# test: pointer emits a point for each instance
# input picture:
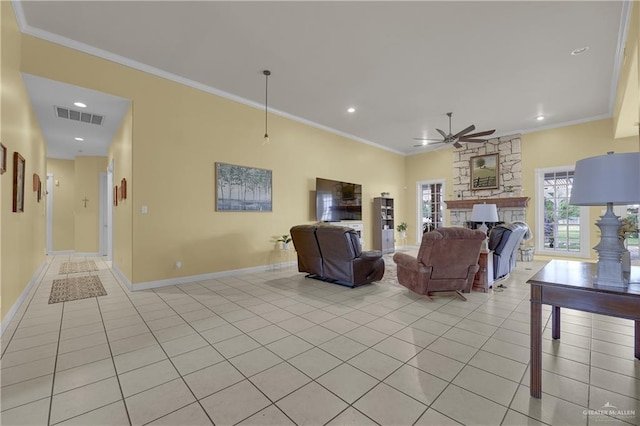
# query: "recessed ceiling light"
(80, 104)
(79, 139)
(540, 117)
(580, 50)
(351, 110)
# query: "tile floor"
(274, 348)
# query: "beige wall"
(22, 241)
(178, 133)
(64, 194)
(120, 153)
(86, 220)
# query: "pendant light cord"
(266, 73)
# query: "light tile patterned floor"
(276, 348)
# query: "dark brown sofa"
(333, 254)
(447, 262)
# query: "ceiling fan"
(462, 136)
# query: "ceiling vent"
(83, 117)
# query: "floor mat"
(68, 289)
(75, 267)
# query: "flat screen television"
(336, 200)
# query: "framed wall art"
(241, 189)
(3, 159)
(485, 170)
(19, 167)
(123, 188)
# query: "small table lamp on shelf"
(484, 213)
(607, 180)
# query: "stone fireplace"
(507, 196)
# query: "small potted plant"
(285, 240)
(402, 229)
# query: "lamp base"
(485, 242)
(609, 250)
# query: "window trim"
(585, 223)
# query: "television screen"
(336, 201)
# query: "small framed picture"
(19, 166)
(3, 159)
(484, 172)
(123, 189)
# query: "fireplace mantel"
(507, 202)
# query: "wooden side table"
(484, 277)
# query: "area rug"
(75, 267)
(390, 271)
(68, 289)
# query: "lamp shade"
(611, 178)
(484, 213)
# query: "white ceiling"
(60, 133)
(402, 65)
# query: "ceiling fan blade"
(444, 135)
(467, 130)
(457, 145)
(485, 133)
(472, 140)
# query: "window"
(631, 240)
(561, 228)
(430, 206)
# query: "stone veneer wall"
(510, 174)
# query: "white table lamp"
(484, 213)
(607, 180)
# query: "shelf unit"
(383, 224)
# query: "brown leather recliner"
(334, 255)
(447, 262)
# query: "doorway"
(430, 196)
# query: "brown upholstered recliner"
(447, 261)
(333, 254)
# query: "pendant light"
(266, 73)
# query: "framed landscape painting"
(18, 182)
(242, 189)
(3, 159)
(484, 171)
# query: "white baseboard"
(75, 253)
(122, 276)
(12, 312)
(202, 277)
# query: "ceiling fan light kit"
(450, 138)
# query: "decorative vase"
(403, 234)
(285, 246)
(626, 261)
